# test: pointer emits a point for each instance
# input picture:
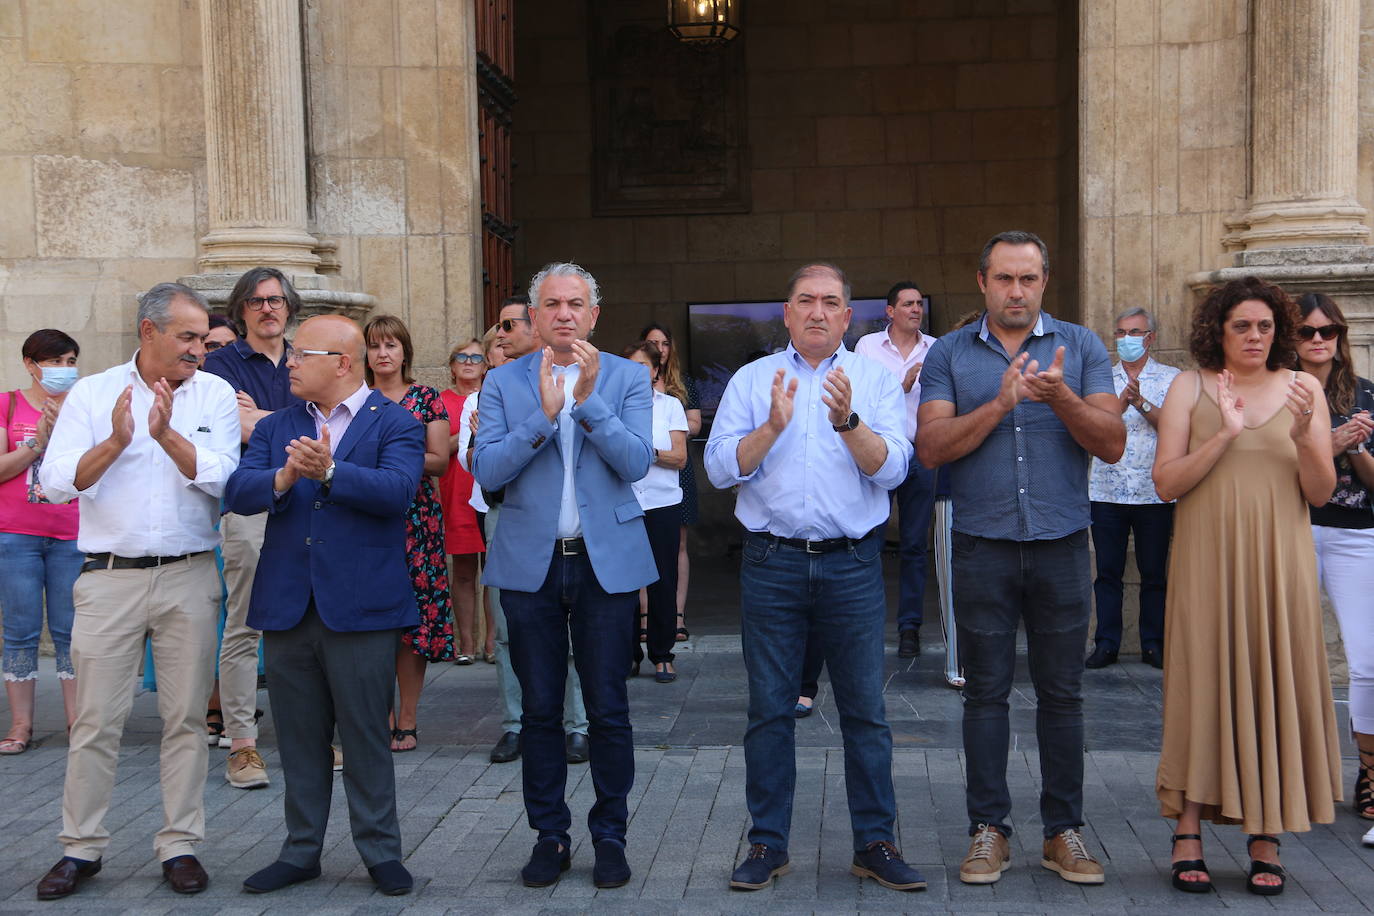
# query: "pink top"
(23, 510)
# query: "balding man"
(335, 474)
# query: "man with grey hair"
(146, 448)
(1124, 500)
(565, 430)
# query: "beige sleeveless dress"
(1249, 726)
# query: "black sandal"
(1182, 865)
(214, 730)
(1264, 868)
(1364, 786)
(398, 734)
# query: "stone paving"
(465, 835)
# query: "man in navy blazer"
(335, 474)
(565, 430)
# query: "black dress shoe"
(909, 644)
(507, 749)
(279, 875)
(63, 877)
(1152, 657)
(611, 869)
(185, 874)
(547, 863)
(1103, 655)
(577, 748)
(391, 878)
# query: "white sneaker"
(1369, 837)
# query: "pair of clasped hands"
(1299, 401)
(159, 415)
(1024, 380)
(551, 394)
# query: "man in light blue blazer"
(565, 430)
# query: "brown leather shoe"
(1066, 855)
(988, 856)
(185, 874)
(63, 877)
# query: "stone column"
(255, 137)
(1304, 126)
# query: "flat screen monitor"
(726, 335)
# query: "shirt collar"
(245, 350)
(131, 369)
(886, 339)
(1043, 325)
(353, 403)
(799, 361)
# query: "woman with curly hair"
(1249, 726)
(1343, 529)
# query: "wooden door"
(496, 100)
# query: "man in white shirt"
(146, 447)
(901, 349)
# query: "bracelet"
(1357, 450)
(32, 442)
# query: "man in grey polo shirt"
(1016, 403)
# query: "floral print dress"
(425, 555)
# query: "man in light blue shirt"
(814, 438)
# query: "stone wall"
(101, 166)
(102, 163)
(892, 138)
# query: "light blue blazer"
(516, 447)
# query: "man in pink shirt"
(901, 349)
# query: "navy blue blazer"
(516, 447)
(346, 546)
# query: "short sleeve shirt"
(1028, 480)
(1130, 481)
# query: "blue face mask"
(59, 379)
(1130, 349)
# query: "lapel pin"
(374, 407)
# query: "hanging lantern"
(704, 22)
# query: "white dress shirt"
(142, 506)
(808, 485)
(879, 347)
(569, 518)
(464, 443)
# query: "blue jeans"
(915, 503)
(838, 596)
(34, 568)
(1112, 525)
(601, 624)
(998, 584)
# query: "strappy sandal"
(1264, 868)
(1182, 865)
(214, 730)
(1364, 786)
(9, 747)
(400, 734)
(682, 635)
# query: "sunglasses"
(508, 324)
(475, 358)
(1328, 332)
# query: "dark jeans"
(601, 624)
(997, 585)
(812, 663)
(1112, 525)
(915, 502)
(785, 593)
(662, 526)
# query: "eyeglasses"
(1133, 332)
(296, 351)
(1328, 332)
(508, 324)
(475, 358)
(258, 303)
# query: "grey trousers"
(317, 679)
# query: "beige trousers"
(238, 653)
(177, 605)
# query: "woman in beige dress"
(1249, 726)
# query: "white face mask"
(59, 379)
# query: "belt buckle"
(811, 549)
(563, 548)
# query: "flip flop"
(398, 734)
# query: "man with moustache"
(146, 448)
(263, 303)
(565, 431)
(1015, 403)
(813, 437)
(335, 475)
(516, 336)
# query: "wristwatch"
(1145, 406)
(328, 475)
(850, 424)
(1356, 450)
(32, 442)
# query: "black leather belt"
(569, 547)
(827, 545)
(111, 561)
